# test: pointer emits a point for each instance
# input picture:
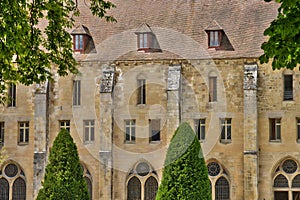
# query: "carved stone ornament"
(250, 77)
(174, 77)
(107, 81)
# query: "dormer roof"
(81, 30)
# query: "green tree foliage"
(185, 175)
(283, 45)
(64, 176)
(28, 51)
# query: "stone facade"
(252, 132)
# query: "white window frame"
(76, 92)
(226, 123)
(89, 131)
(130, 130)
(65, 124)
(200, 128)
(23, 132)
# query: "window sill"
(225, 141)
(154, 142)
(201, 141)
(23, 143)
(129, 142)
(275, 141)
(88, 142)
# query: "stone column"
(250, 133)
(106, 131)
(173, 103)
(40, 135)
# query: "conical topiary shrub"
(185, 175)
(64, 176)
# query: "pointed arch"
(222, 189)
(281, 181)
(151, 187)
(4, 189)
(19, 189)
(134, 189)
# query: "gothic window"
(288, 87)
(89, 130)
(12, 181)
(134, 189)
(154, 130)
(286, 184)
(130, 130)
(4, 189)
(200, 129)
(19, 189)
(219, 182)
(275, 129)
(142, 184)
(12, 95)
(225, 130)
(76, 93)
(151, 187)
(64, 124)
(88, 179)
(23, 133)
(281, 181)
(222, 189)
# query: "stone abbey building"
(162, 63)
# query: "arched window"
(134, 189)
(222, 189)
(286, 184)
(89, 186)
(19, 189)
(4, 189)
(142, 182)
(151, 187)
(88, 179)
(219, 184)
(12, 181)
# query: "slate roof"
(180, 28)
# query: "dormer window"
(82, 40)
(146, 39)
(78, 43)
(215, 38)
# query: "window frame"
(23, 136)
(79, 42)
(89, 131)
(214, 38)
(141, 95)
(298, 129)
(66, 124)
(288, 87)
(200, 128)
(130, 125)
(154, 131)
(213, 88)
(275, 129)
(145, 41)
(12, 95)
(2, 133)
(76, 92)
(226, 130)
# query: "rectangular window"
(141, 91)
(64, 124)
(89, 130)
(130, 130)
(23, 132)
(154, 130)
(298, 129)
(275, 129)
(288, 87)
(12, 95)
(212, 89)
(215, 38)
(78, 42)
(200, 129)
(143, 40)
(225, 130)
(1, 133)
(76, 92)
